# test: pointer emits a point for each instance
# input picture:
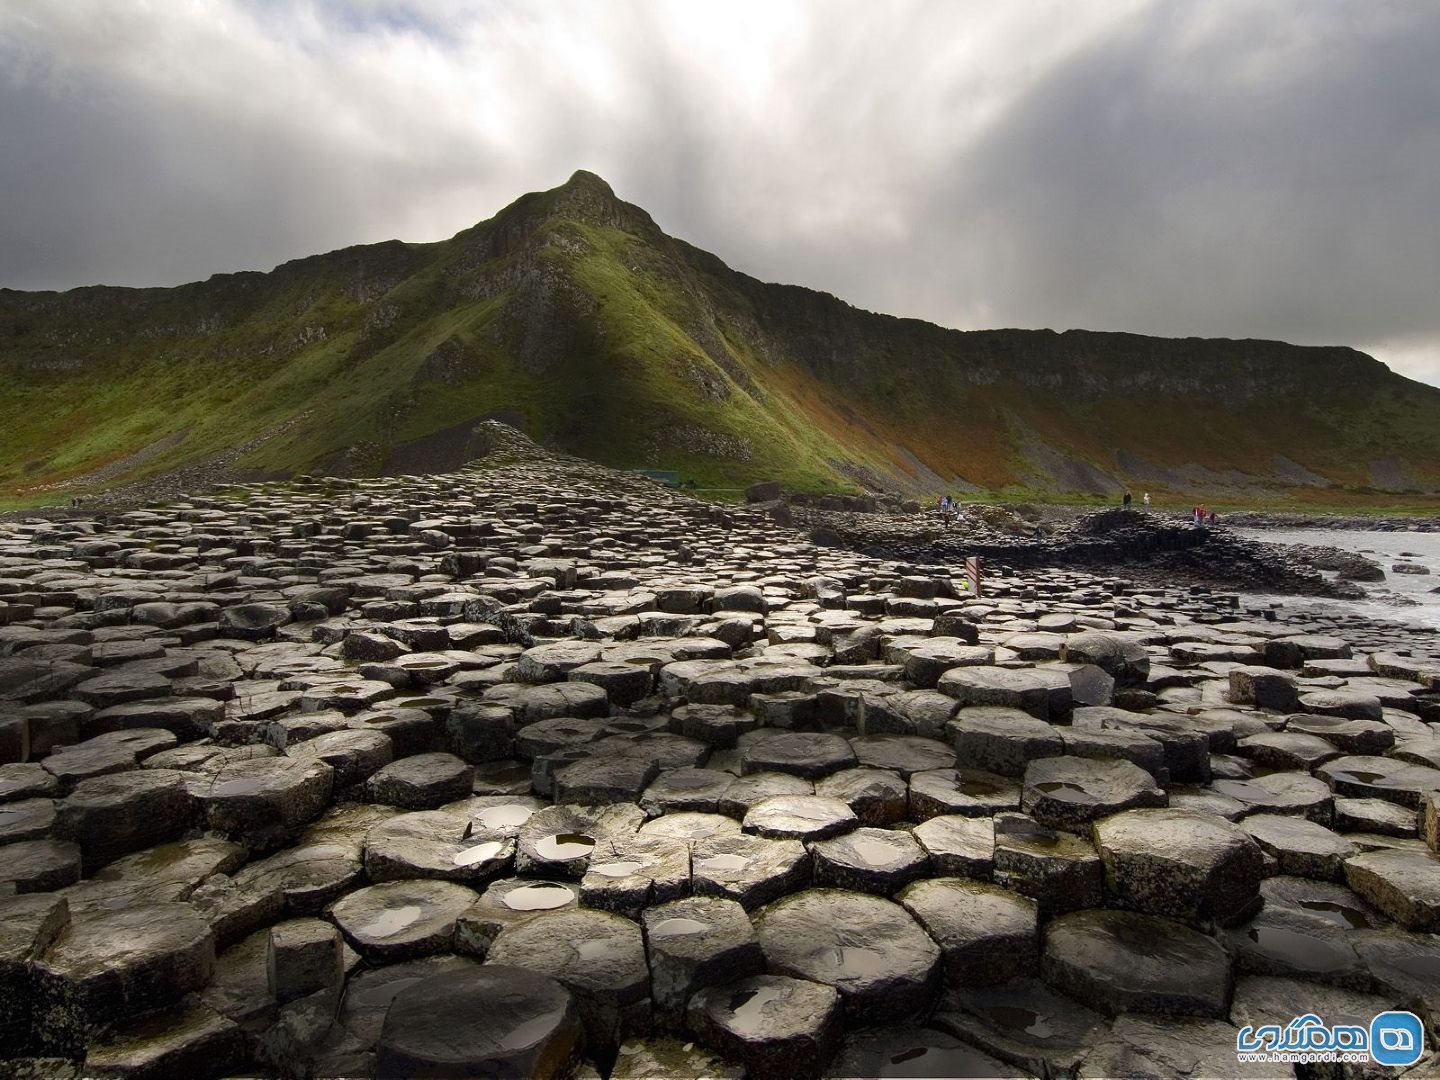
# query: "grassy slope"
(666, 358)
(961, 401)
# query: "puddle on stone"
(392, 922)
(1291, 946)
(677, 926)
(513, 775)
(562, 847)
(422, 703)
(722, 864)
(747, 1008)
(1020, 1019)
(508, 816)
(1063, 789)
(874, 852)
(930, 1061)
(975, 786)
(1339, 914)
(527, 1032)
(594, 950)
(1027, 832)
(859, 960)
(154, 861)
(479, 853)
(1361, 775)
(620, 869)
(542, 896)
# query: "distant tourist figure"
(1125, 502)
(1147, 500)
(1212, 517)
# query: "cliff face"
(572, 314)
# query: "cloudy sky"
(1235, 168)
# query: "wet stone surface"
(775, 1026)
(1024, 1022)
(376, 777)
(491, 1020)
(799, 817)
(119, 965)
(698, 942)
(1402, 883)
(868, 860)
(597, 956)
(987, 934)
(436, 844)
(1182, 863)
(871, 950)
(1070, 792)
(1123, 962)
(400, 920)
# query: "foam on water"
(1384, 548)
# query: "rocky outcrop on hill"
(538, 769)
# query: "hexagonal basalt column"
(871, 950)
(486, 1021)
(117, 965)
(110, 816)
(1125, 962)
(1180, 863)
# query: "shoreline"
(1264, 519)
(1148, 547)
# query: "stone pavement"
(540, 769)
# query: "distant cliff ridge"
(573, 316)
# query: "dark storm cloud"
(1226, 169)
(1270, 176)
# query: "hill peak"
(571, 312)
(588, 197)
(587, 181)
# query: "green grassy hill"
(573, 316)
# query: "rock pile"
(1154, 549)
(535, 768)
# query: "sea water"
(1386, 601)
